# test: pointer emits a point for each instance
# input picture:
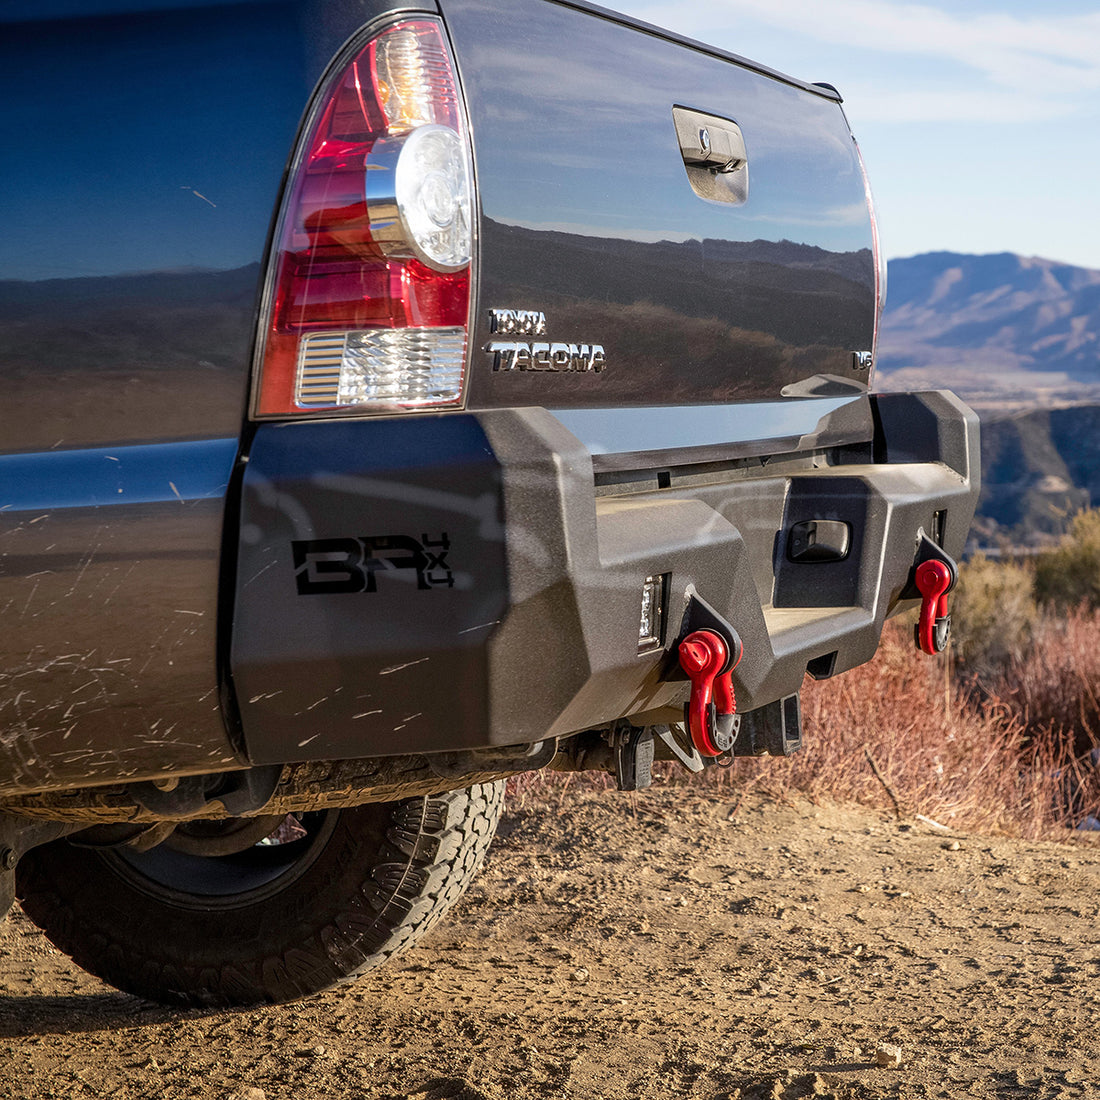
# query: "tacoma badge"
(538, 354)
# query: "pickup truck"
(398, 398)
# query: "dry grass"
(1008, 755)
(954, 753)
(1054, 684)
(900, 728)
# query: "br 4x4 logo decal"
(330, 566)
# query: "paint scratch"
(398, 668)
(480, 626)
(198, 195)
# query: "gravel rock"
(888, 1055)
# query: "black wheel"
(333, 895)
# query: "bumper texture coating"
(467, 580)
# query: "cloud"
(873, 101)
(1045, 64)
(1012, 51)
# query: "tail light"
(879, 257)
(369, 291)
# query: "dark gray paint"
(589, 216)
(144, 157)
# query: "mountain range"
(1019, 338)
(1004, 331)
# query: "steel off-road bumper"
(453, 582)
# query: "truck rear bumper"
(468, 580)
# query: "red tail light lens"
(370, 291)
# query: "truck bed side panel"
(144, 154)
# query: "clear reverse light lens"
(402, 367)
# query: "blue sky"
(979, 121)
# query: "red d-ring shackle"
(704, 656)
(933, 580)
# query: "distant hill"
(1019, 338)
(1038, 469)
(1004, 331)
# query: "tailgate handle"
(719, 148)
(709, 142)
(715, 155)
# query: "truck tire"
(271, 923)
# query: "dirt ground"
(664, 944)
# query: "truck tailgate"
(592, 233)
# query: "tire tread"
(422, 861)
